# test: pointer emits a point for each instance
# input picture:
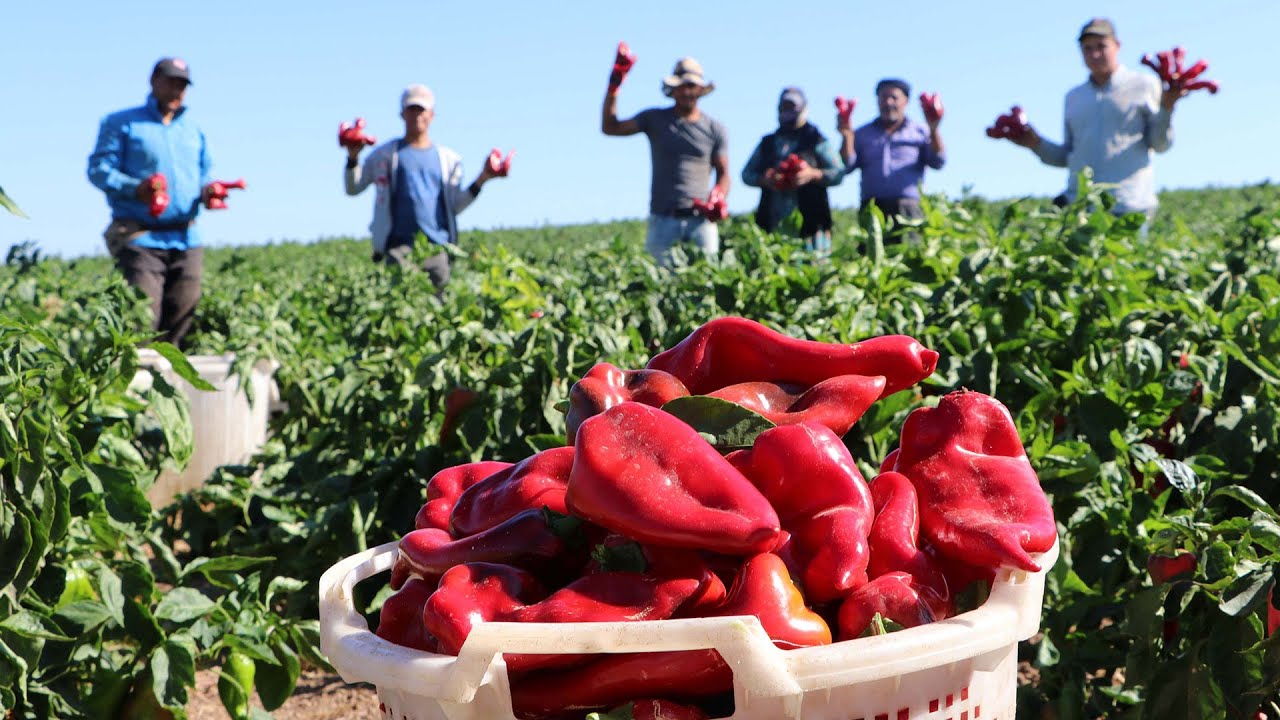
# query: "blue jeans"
(665, 232)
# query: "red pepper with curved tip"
(844, 110)
(400, 620)
(1167, 568)
(218, 193)
(764, 589)
(473, 593)
(159, 194)
(353, 135)
(536, 482)
(533, 539)
(731, 350)
(980, 500)
(890, 461)
(632, 459)
(651, 710)
(605, 386)
(895, 537)
(613, 679)
(894, 596)
(622, 64)
(715, 208)
(499, 165)
(807, 474)
(836, 403)
(617, 553)
(445, 487)
(931, 105)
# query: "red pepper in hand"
(400, 620)
(764, 589)
(844, 110)
(1168, 65)
(894, 596)
(731, 350)
(353, 135)
(980, 501)
(836, 403)
(895, 537)
(499, 165)
(1012, 125)
(643, 473)
(533, 539)
(159, 191)
(218, 193)
(622, 64)
(651, 710)
(533, 483)
(714, 208)
(605, 386)
(445, 487)
(1165, 568)
(785, 177)
(931, 104)
(807, 474)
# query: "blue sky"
(273, 79)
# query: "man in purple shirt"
(892, 151)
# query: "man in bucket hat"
(685, 145)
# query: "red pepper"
(218, 193)
(895, 596)
(466, 597)
(895, 537)
(715, 208)
(619, 553)
(890, 461)
(687, 675)
(1166, 568)
(785, 176)
(400, 620)
(533, 539)
(445, 487)
(456, 402)
(807, 474)
(645, 474)
(844, 110)
(606, 385)
(980, 501)
(533, 483)
(931, 104)
(498, 165)
(159, 194)
(622, 64)
(651, 710)
(764, 589)
(1012, 125)
(836, 403)
(1169, 66)
(731, 350)
(353, 135)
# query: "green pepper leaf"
(730, 424)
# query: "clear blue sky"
(273, 78)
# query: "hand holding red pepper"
(216, 193)
(931, 104)
(622, 64)
(1176, 79)
(155, 192)
(714, 208)
(1012, 125)
(791, 173)
(499, 166)
(844, 111)
(352, 137)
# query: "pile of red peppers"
(646, 515)
(715, 208)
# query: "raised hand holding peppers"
(216, 193)
(622, 64)
(1011, 125)
(844, 110)
(498, 165)
(352, 136)
(931, 104)
(1176, 78)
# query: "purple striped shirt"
(893, 165)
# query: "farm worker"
(805, 188)
(1114, 121)
(419, 189)
(685, 145)
(152, 162)
(892, 152)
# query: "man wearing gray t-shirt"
(685, 145)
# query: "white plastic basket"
(227, 429)
(961, 668)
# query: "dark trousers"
(171, 279)
(436, 266)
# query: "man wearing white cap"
(419, 188)
(685, 145)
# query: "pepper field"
(1143, 375)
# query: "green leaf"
(1248, 590)
(729, 424)
(182, 605)
(32, 625)
(182, 366)
(276, 682)
(173, 670)
(111, 590)
(1250, 498)
(87, 614)
(223, 564)
(10, 205)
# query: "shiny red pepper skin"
(472, 593)
(764, 589)
(895, 596)
(445, 487)
(532, 539)
(931, 105)
(605, 386)
(980, 500)
(643, 473)
(1012, 125)
(537, 481)
(400, 620)
(895, 536)
(651, 710)
(807, 474)
(613, 679)
(836, 403)
(619, 553)
(353, 135)
(1165, 568)
(159, 194)
(732, 350)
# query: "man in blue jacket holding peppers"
(152, 162)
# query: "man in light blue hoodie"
(152, 234)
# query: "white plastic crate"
(961, 668)
(226, 428)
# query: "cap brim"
(671, 82)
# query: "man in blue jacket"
(146, 156)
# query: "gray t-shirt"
(681, 151)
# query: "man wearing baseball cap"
(1114, 122)
(419, 189)
(685, 145)
(143, 157)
